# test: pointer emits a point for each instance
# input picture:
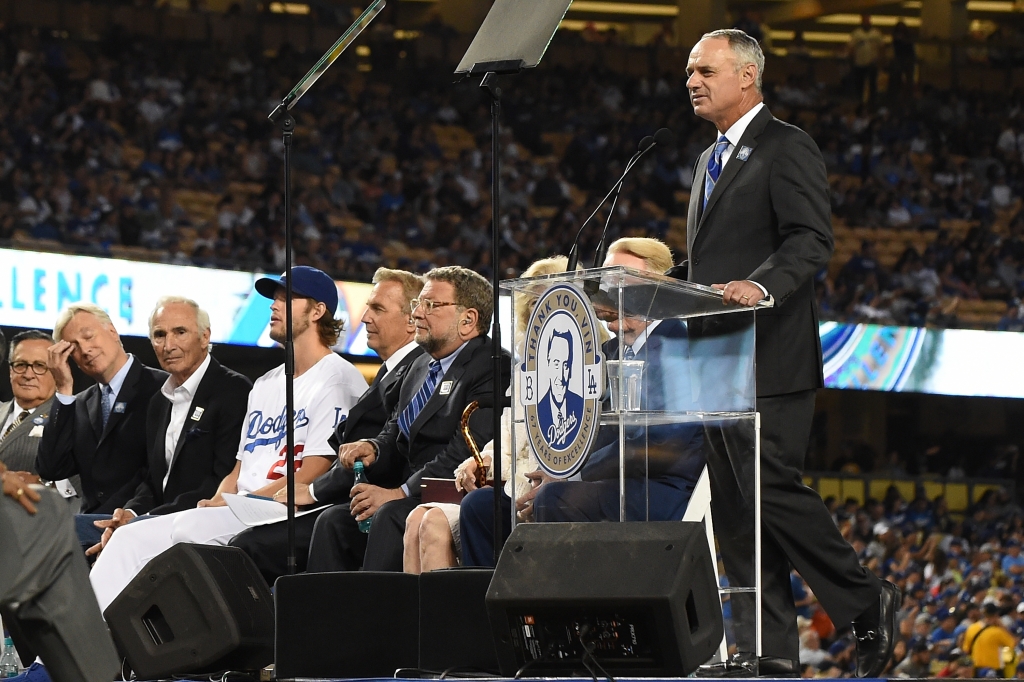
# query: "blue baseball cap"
(306, 282)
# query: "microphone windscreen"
(663, 136)
(646, 143)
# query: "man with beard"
(326, 386)
(452, 315)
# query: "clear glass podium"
(632, 397)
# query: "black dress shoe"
(769, 666)
(875, 630)
(738, 665)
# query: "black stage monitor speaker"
(356, 624)
(454, 631)
(194, 609)
(636, 598)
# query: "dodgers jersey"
(323, 396)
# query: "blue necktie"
(105, 394)
(714, 168)
(412, 410)
(628, 354)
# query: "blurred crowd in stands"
(962, 579)
(126, 146)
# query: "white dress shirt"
(16, 409)
(180, 398)
(115, 385)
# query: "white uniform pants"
(132, 546)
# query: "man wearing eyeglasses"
(23, 419)
(422, 437)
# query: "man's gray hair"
(746, 49)
(202, 317)
(75, 308)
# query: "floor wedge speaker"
(636, 599)
(343, 625)
(454, 631)
(194, 609)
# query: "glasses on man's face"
(429, 305)
(22, 367)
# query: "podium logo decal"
(561, 380)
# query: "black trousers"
(796, 529)
(268, 545)
(338, 544)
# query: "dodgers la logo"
(562, 378)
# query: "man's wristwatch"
(373, 444)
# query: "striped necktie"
(412, 410)
(714, 168)
(14, 424)
(628, 353)
(105, 394)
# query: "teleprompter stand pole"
(281, 117)
(489, 86)
(286, 123)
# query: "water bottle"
(364, 525)
(9, 666)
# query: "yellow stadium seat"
(830, 486)
(853, 487)
(906, 489)
(956, 497)
(933, 489)
(877, 488)
(979, 489)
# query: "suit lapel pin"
(197, 414)
(119, 408)
(38, 421)
(446, 387)
(744, 153)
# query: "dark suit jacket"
(18, 450)
(657, 451)
(366, 419)
(546, 419)
(112, 460)
(206, 447)
(435, 445)
(768, 220)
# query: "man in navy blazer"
(100, 433)
(192, 424)
(758, 229)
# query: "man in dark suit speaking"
(759, 228)
(560, 409)
(100, 433)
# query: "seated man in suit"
(390, 333)
(23, 419)
(326, 386)
(44, 586)
(100, 433)
(663, 463)
(192, 424)
(422, 437)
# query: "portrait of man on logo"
(560, 409)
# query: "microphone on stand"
(663, 136)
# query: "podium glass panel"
(635, 395)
